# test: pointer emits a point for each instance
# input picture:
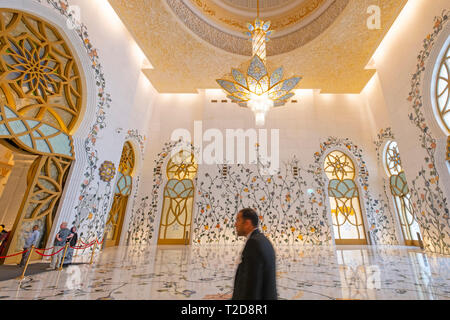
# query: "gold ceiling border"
(238, 22)
(242, 46)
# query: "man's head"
(246, 221)
(64, 225)
(36, 227)
(74, 229)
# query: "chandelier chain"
(257, 8)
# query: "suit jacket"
(255, 276)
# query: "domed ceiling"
(190, 43)
(222, 23)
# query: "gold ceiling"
(332, 42)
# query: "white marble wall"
(135, 105)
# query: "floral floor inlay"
(207, 272)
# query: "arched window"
(121, 194)
(400, 192)
(178, 202)
(348, 224)
(442, 94)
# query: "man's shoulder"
(259, 236)
(261, 241)
(256, 240)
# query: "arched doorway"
(176, 215)
(41, 99)
(348, 223)
(122, 192)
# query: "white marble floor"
(207, 272)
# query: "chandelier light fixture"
(258, 90)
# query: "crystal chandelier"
(259, 91)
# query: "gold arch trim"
(117, 213)
(127, 160)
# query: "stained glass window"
(346, 213)
(401, 195)
(178, 202)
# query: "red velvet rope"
(92, 241)
(46, 249)
(49, 255)
(15, 254)
(87, 246)
(83, 242)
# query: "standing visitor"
(31, 240)
(3, 239)
(3, 234)
(72, 243)
(60, 241)
(255, 276)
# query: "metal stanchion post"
(186, 238)
(420, 241)
(76, 251)
(26, 265)
(64, 256)
(93, 252)
(103, 242)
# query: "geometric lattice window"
(127, 160)
(178, 201)
(400, 192)
(40, 78)
(41, 99)
(348, 224)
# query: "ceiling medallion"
(259, 91)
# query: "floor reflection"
(207, 272)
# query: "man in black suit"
(255, 276)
